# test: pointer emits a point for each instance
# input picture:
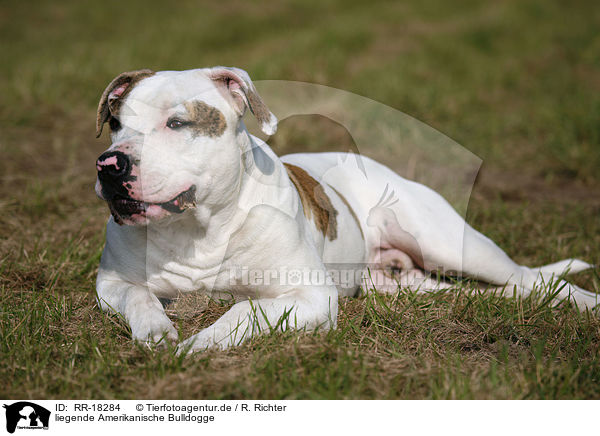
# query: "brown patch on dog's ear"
(316, 204)
(236, 83)
(113, 95)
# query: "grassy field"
(515, 82)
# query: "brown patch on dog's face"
(316, 204)
(205, 120)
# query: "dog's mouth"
(123, 208)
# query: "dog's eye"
(114, 124)
(175, 124)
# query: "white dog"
(198, 203)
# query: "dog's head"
(176, 139)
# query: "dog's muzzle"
(114, 175)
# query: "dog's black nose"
(113, 166)
(114, 169)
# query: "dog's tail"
(563, 267)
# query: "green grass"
(516, 82)
(446, 345)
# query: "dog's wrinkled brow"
(205, 120)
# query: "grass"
(515, 82)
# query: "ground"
(515, 82)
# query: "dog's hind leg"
(392, 270)
(563, 267)
(418, 221)
(484, 260)
(391, 282)
(564, 291)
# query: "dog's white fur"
(248, 213)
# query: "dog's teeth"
(184, 202)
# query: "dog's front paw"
(207, 338)
(154, 329)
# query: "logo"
(26, 415)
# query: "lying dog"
(193, 196)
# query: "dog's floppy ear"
(113, 94)
(236, 83)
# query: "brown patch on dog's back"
(316, 204)
(206, 120)
(349, 210)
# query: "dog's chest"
(173, 271)
(193, 267)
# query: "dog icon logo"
(26, 415)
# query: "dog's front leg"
(307, 308)
(142, 310)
